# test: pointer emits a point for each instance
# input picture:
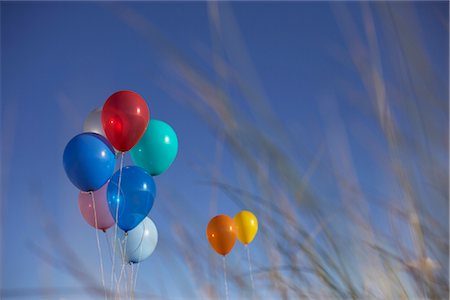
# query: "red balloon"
(125, 117)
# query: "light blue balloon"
(141, 241)
(137, 194)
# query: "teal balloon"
(157, 148)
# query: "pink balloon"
(104, 217)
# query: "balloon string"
(251, 271)
(113, 270)
(137, 268)
(98, 244)
(135, 281)
(121, 249)
(109, 252)
(126, 271)
(109, 245)
(130, 283)
(225, 276)
(123, 259)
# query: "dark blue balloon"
(137, 194)
(89, 161)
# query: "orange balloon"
(221, 234)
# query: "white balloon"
(140, 242)
(93, 122)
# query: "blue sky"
(60, 60)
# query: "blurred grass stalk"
(349, 255)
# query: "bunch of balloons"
(222, 231)
(126, 196)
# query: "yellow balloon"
(246, 226)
